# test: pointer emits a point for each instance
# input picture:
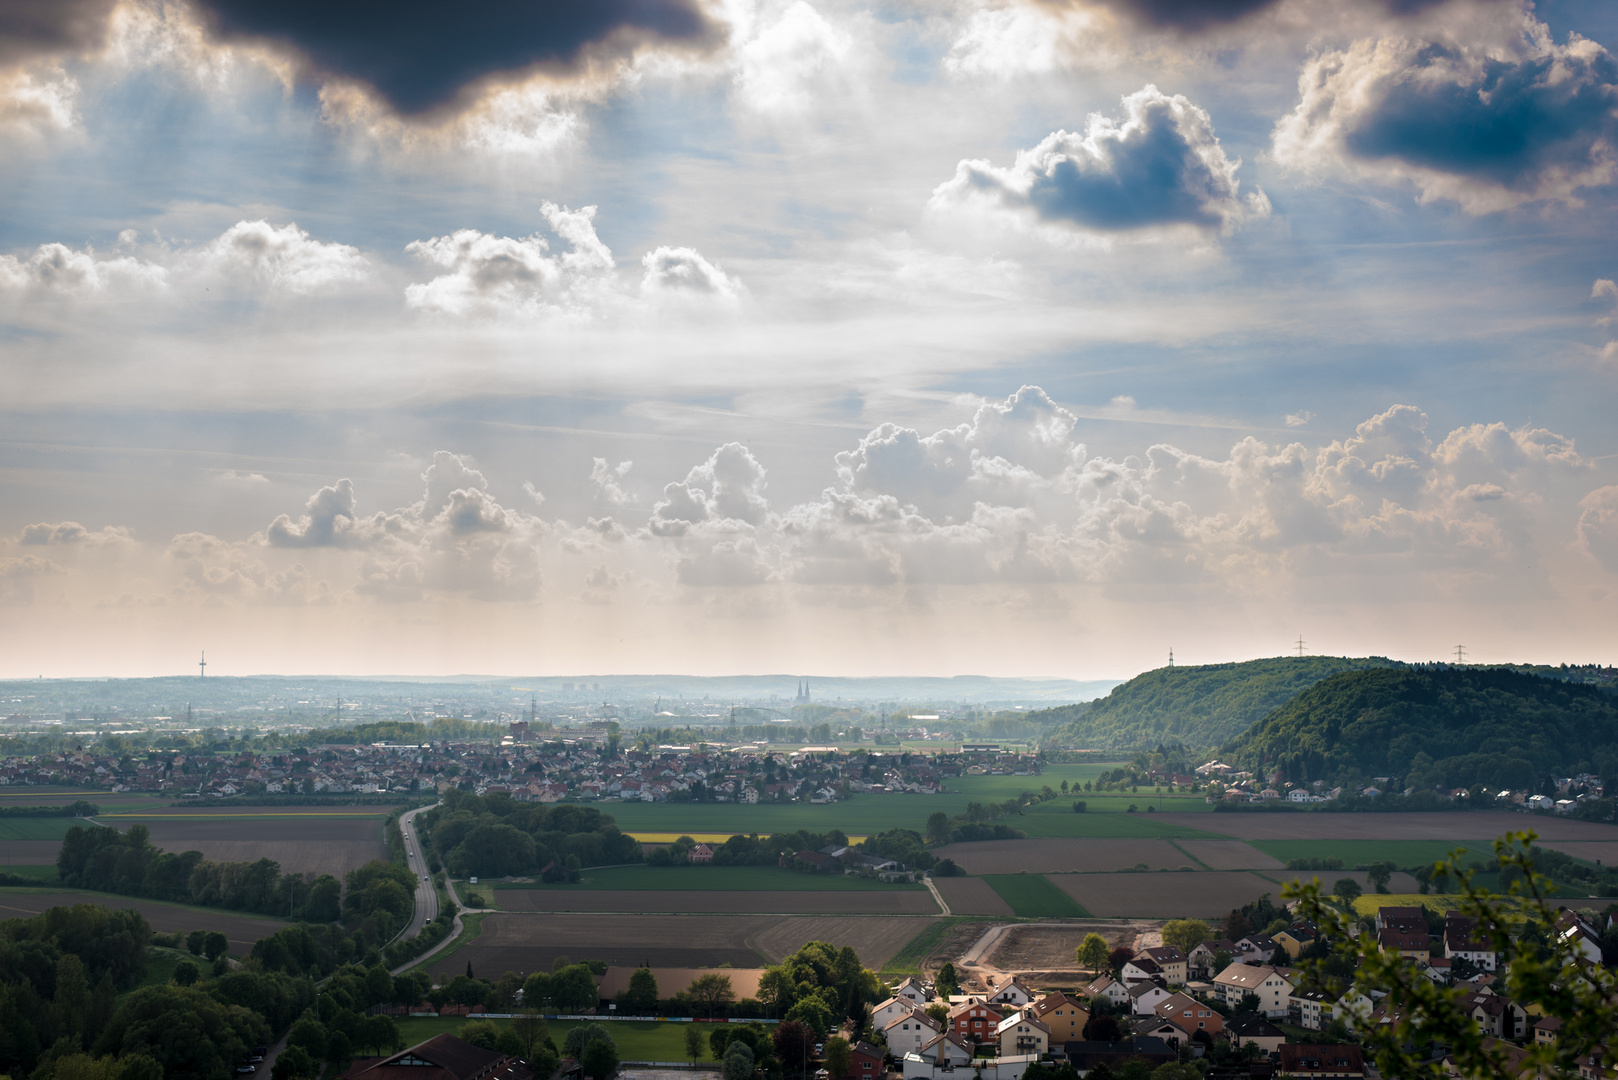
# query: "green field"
(44, 873)
(638, 1040)
(712, 878)
(39, 828)
(1033, 897)
(1402, 853)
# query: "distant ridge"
(1202, 707)
(1426, 727)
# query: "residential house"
(1064, 1016)
(1573, 932)
(1009, 991)
(1140, 969)
(1401, 918)
(1547, 1029)
(1516, 1064)
(1157, 1027)
(1145, 997)
(948, 1050)
(1171, 961)
(700, 855)
(1085, 1056)
(865, 1062)
(1200, 964)
(975, 1021)
(1256, 1030)
(1497, 1015)
(1409, 943)
(1190, 1014)
(1271, 987)
(1461, 943)
(909, 1033)
(1296, 938)
(891, 1009)
(1335, 1061)
(1111, 989)
(913, 989)
(1022, 1033)
(1255, 949)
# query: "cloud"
(285, 258)
(728, 487)
(58, 269)
(1486, 126)
(1598, 526)
(420, 57)
(1299, 419)
(781, 68)
(609, 481)
(70, 532)
(38, 103)
(682, 271)
(1161, 167)
(490, 274)
(328, 521)
(29, 29)
(19, 575)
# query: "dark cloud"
(31, 27)
(1197, 15)
(1160, 166)
(420, 56)
(1508, 126)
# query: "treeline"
(755, 850)
(79, 808)
(1200, 706)
(377, 901)
(1437, 727)
(62, 1017)
(494, 835)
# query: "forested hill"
(1455, 727)
(1202, 707)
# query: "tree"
(194, 941)
(186, 972)
(1092, 952)
(1120, 956)
(947, 982)
(1378, 874)
(792, 1042)
(1103, 1028)
(1346, 890)
(293, 1063)
(379, 1033)
(711, 993)
(215, 945)
(1541, 970)
(600, 1059)
(738, 1062)
(839, 1057)
(939, 1012)
(694, 1043)
(573, 989)
(938, 827)
(1185, 934)
(531, 1030)
(640, 999)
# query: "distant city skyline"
(1012, 337)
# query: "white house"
(909, 1033)
(1147, 997)
(1274, 992)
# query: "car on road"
(246, 1069)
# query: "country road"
(416, 860)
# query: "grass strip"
(907, 961)
(1031, 896)
(471, 927)
(1188, 855)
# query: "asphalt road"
(416, 860)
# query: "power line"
(1300, 644)
(1460, 654)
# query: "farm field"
(37, 852)
(1359, 852)
(520, 941)
(45, 873)
(49, 828)
(1206, 894)
(681, 901)
(1052, 947)
(1229, 855)
(1447, 825)
(241, 930)
(1032, 896)
(1367, 905)
(302, 840)
(637, 1040)
(1596, 851)
(1045, 821)
(971, 896)
(1052, 855)
(28, 795)
(1399, 882)
(715, 879)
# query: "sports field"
(1032, 896)
(715, 879)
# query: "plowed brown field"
(971, 896)
(241, 930)
(1048, 856)
(28, 852)
(677, 901)
(524, 941)
(306, 842)
(1205, 894)
(1230, 855)
(1443, 825)
(1603, 852)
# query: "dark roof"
(1253, 1027)
(443, 1057)
(1086, 1055)
(1305, 1058)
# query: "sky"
(906, 337)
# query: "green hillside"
(1457, 727)
(1201, 707)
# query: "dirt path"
(927, 880)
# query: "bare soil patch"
(1047, 856)
(685, 901)
(1443, 825)
(1230, 855)
(1051, 948)
(302, 844)
(971, 896)
(29, 852)
(1207, 894)
(522, 941)
(1603, 852)
(241, 930)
